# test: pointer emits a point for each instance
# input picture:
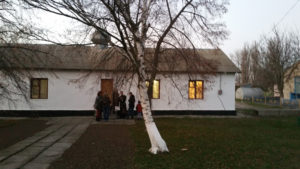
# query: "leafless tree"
(249, 61)
(17, 36)
(12, 32)
(134, 25)
(281, 53)
(271, 61)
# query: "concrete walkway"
(240, 105)
(38, 151)
(267, 111)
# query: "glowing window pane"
(155, 89)
(195, 89)
(191, 84)
(191, 90)
(199, 89)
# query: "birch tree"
(134, 25)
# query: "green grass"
(222, 143)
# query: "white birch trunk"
(157, 142)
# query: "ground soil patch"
(101, 146)
(13, 131)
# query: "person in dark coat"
(98, 105)
(115, 101)
(122, 101)
(131, 102)
(106, 107)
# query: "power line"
(286, 14)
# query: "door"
(107, 87)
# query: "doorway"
(107, 87)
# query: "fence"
(273, 101)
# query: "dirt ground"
(100, 147)
(13, 131)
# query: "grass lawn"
(222, 143)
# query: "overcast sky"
(247, 20)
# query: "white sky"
(246, 20)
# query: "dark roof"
(110, 59)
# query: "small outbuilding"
(243, 92)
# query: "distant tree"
(249, 60)
(17, 36)
(245, 65)
(265, 64)
(13, 30)
(134, 25)
(282, 51)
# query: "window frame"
(39, 84)
(195, 87)
(153, 90)
(296, 78)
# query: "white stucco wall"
(172, 99)
(63, 94)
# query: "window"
(195, 89)
(155, 89)
(39, 88)
(297, 84)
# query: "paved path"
(267, 111)
(240, 105)
(38, 151)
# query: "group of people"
(103, 105)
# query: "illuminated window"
(155, 89)
(195, 89)
(39, 88)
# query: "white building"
(66, 81)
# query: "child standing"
(139, 110)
